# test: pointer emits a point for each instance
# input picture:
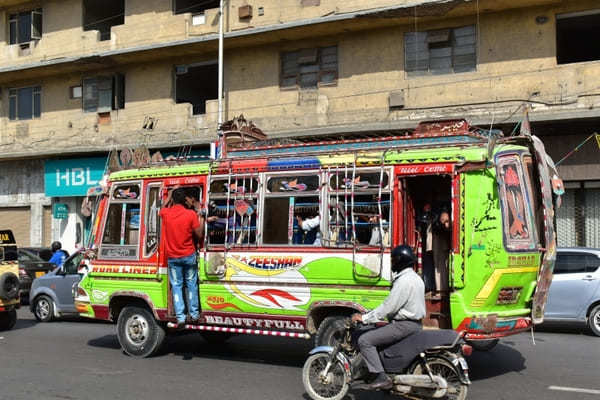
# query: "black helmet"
(402, 257)
(56, 246)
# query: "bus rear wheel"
(331, 331)
(140, 335)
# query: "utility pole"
(221, 140)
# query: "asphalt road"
(81, 359)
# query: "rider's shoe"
(382, 382)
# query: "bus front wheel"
(138, 332)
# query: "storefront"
(24, 208)
(67, 182)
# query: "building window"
(196, 85)
(104, 93)
(25, 26)
(309, 68)
(25, 103)
(576, 35)
(441, 51)
(103, 15)
(193, 6)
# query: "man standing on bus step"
(404, 308)
(180, 224)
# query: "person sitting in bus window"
(180, 225)
(310, 230)
(376, 231)
(442, 243)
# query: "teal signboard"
(60, 211)
(72, 177)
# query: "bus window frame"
(257, 195)
(111, 200)
(265, 194)
(149, 185)
(328, 192)
(514, 245)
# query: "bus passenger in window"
(442, 242)
(180, 225)
(376, 232)
(309, 229)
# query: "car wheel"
(43, 308)
(594, 320)
(139, 334)
(8, 320)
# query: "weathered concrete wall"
(153, 22)
(517, 61)
(64, 126)
(22, 185)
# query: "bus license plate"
(39, 273)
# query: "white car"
(575, 291)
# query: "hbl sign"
(72, 177)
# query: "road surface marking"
(570, 389)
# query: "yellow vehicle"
(9, 280)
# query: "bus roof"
(442, 141)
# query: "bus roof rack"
(429, 133)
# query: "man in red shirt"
(180, 225)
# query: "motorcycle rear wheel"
(456, 389)
(336, 385)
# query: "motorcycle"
(428, 364)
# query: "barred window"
(441, 51)
(308, 68)
(24, 103)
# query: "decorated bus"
(302, 231)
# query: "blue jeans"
(180, 269)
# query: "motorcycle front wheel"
(332, 386)
(456, 389)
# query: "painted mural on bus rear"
(298, 235)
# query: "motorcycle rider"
(404, 308)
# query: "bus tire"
(8, 320)
(139, 334)
(330, 331)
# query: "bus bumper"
(490, 327)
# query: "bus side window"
(151, 219)
(120, 238)
(292, 213)
(232, 210)
(367, 205)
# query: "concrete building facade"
(78, 80)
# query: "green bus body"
(500, 261)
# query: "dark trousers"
(387, 334)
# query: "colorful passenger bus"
(263, 272)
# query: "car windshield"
(72, 264)
(25, 255)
